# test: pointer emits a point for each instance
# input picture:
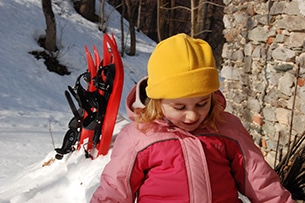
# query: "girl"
(182, 146)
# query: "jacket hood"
(137, 98)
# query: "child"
(182, 146)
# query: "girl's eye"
(202, 104)
(179, 108)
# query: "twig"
(292, 112)
(51, 134)
(277, 149)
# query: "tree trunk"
(122, 29)
(201, 19)
(132, 31)
(87, 10)
(158, 20)
(139, 16)
(131, 7)
(171, 29)
(193, 19)
(102, 26)
(161, 20)
(50, 41)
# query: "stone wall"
(264, 70)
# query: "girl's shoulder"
(229, 121)
(133, 134)
(232, 127)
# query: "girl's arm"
(115, 180)
(259, 183)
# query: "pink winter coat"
(169, 165)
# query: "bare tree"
(158, 19)
(102, 26)
(50, 40)
(172, 16)
(87, 10)
(122, 30)
(201, 17)
(131, 7)
(161, 18)
(139, 15)
(193, 15)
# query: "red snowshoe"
(93, 122)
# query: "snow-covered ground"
(33, 106)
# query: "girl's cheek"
(177, 116)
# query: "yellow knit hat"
(180, 67)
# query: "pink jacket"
(170, 165)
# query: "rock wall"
(264, 70)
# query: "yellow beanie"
(180, 67)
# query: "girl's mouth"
(190, 124)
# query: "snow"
(33, 106)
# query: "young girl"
(182, 147)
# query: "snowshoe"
(93, 123)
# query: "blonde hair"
(153, 111)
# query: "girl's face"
(186, 113)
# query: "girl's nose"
(191, 116)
